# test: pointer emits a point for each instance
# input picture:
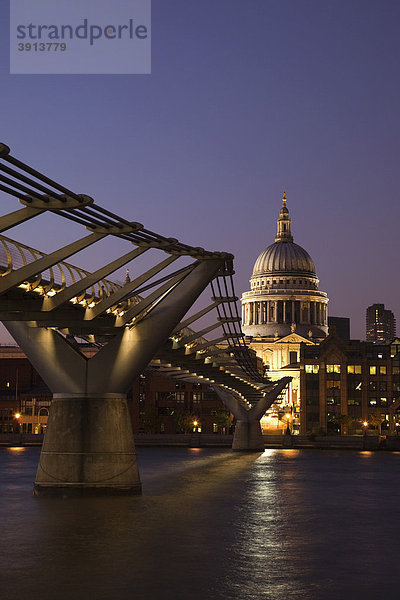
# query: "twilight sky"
(246, 98)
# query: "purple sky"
(246, 98)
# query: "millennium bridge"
(48, 304)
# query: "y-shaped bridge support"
(88, 446)
(248, 434)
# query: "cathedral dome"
(284, 258)
(284, 295)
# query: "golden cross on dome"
(284, 198)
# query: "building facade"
(284, 309)
(157, 403)
(349, 386)
(380, 324)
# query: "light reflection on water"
(211, 524)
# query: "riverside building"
(157, 403)
(350, 386)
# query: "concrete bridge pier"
(248, 435)
(88, 447)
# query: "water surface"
(211, 524)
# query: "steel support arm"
(259, 409)
(17, 217)
(50, 303)
(157, 295)
(116, 365)
(117, 296)
(195, 317)
(208, 344)
(195, 336)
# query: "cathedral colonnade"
(260, 312)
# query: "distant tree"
(376, 420)
(184, 421)
(345, 421)
(333, 424)
(222, 419)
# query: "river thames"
(211, 524)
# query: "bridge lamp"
(17, 415)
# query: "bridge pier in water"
(248, 435)
(88, 447)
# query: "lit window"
(380, 355)
(372, 402)
(354, 369)
(311, 368)
(382, 370)
(372, 370)
(383, 401)
(333, 368)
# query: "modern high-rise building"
(381, 324)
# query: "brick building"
(344, 384)
(157, 403)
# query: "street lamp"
(364, 442)
(195, 425)
(288, 417)
(17, 417)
